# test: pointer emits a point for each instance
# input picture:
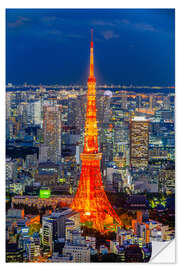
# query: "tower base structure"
(91, 200)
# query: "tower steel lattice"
(90, 199)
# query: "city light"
(90, 161)
(45, 193)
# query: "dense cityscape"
(43, 170)
(90, 171)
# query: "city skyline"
(90, 175)
(133, 46)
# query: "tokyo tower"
(90, 199)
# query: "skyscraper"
(52, 132)
(151, 102)
(53, 226)
(8, 105)
(37, 113)
(124, 100)
(139, 142)
(139, 101)
(90, 199)
(166, 102)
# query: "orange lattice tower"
(90, 199)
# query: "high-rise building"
(13, 253)
(104, 109)
(77, 247)
(52, 132)
(31, 246)
(151, 102)
(29, 113)
(11, 169)
(124, 100)
(8, 105)
(139, 142)
(166, 102)
(54, 226)
(138, 101)
(48, 232)
(37, 119)
(166, 181)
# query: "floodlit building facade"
(52, 132)
(139, 142)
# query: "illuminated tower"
(90, 199)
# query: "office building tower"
(139, 102)
(37, 113)
(54, 226)
(29, 113)
(13, 253)
(77, 247)
(104, 109)
(52, 132)
(79, 150)
(8, 105)
(11, 169)
(139, 142)
(43, 153)
(166, 181)
(124, 100)
(31, 246)
(151, 102)
(166, 102)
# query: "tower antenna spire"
(92, 35)
(91, 57)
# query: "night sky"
(131, 46)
